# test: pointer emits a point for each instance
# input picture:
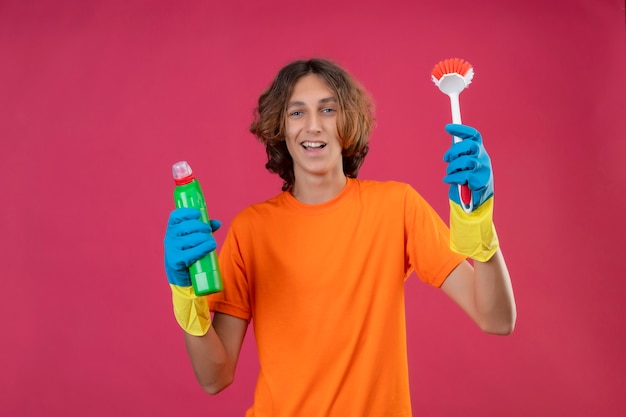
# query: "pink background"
(99, 98)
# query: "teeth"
(313, 144)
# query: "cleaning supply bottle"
(205, 273)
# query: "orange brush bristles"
(450, 66)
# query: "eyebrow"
(302, 103)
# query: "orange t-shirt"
(324, 287)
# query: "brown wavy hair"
(355, 118)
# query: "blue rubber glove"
(187, 239)
(468, 163)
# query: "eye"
(328, 110)
(296, 113)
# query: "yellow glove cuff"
(191, 312)
(473, 234)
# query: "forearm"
(210, 361)
(493, 296)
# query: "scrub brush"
(452, 76)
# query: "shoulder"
(255, 211)
(386, 189)
(393, 196)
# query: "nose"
(314, 123)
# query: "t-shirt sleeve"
(235, 299)
(428, 241)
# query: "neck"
(317, 190)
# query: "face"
(311, 129)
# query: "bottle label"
(202, 282)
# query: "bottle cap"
(182, 173)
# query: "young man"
(320, 268)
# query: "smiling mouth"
(313, 145)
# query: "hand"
(468, 163)
(187, 239)
(471, 234)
